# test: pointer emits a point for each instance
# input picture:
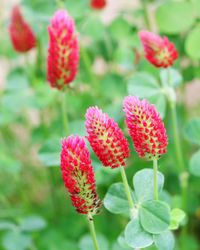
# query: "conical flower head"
(78, 175)
(98, 4)
(63, 51)
(145, 128)
(159, 51)
(22, 37)
(106, 138)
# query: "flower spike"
(78, 175)
(98, 4)
(159, 51)
(106, 138)
(145, 128)
(21, 34)
(63, 51)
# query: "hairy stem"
(177, 143)
(65, 115)
(146, 14)
(88, 67)
(126, 186)
(155, 181)
(93, 232)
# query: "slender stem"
(39, 58)
(177, 143)
(146, 14)
(88, 67)
(155, 181)
(65, 115)
(60, 4)
(93, 232)
(126, 186)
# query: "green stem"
(155, 181)
(60, 4)
(177, 143)
(65, 115)
(39, 58)
(146, 14)
(126, 186)
(93, 232)
(88, 67)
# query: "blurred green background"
(34, 210)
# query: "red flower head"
(145, 128)
(98, 4)
(106, 138)
(22, 37)
(78, 175)
(63, 52)
(158, 51)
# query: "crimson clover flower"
(98, 4)
(145, 128)
(78, 175)
(106, 138)
(159, 51)
(63, 51)
(21, 34)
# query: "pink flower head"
(159, 51)
(98, 4)
(21, 34)
(78, 175)
(106, 138)
(63, 51)
(145, 128)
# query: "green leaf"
(120, 28)
(32, 223)
(170, 77)
(174, 17)
(49, 153)
(143, 85)
(143, 184)
(115, 200)
(164, 241)
(9, 164)
(177, 216)
(160, 103)
(86, 243)
(16, 81)
(192, 43)
(154, 216)
(135, 235)
(7, 225)
(122, 243)
(196, 7)
(15, 240)
(94, 28)
(192, 131)
(194, 165)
